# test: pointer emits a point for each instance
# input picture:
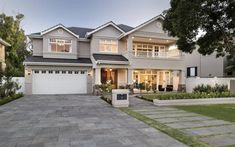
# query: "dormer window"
(109, 46)
(60, 45)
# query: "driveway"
(73, 121)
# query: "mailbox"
(120, 97)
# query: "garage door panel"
(45, 83)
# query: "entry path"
(74, 121)
(209, 130)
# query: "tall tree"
(11, 31)
(210, 24)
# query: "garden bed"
(201, 101)
(10, 98)
(175, 96)
(174, 99)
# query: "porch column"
(182, 80)
(175, 75)
(182, 77)
(98, 76)
(129, 76)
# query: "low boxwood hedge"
(174, 96)
(10, 98)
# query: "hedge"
(174, 96)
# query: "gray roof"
(125, 28)
(57, 60)
(82, 31)
(109, 57)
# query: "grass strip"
(175, 133)
(10, 98)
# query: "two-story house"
(69, 60)
(3, 44)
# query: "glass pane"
(67, 47)
(60, 48)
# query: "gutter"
(57, 64)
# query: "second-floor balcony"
(174, 54)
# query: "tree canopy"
(11, 31)
(210, 24)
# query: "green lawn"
(223, 111)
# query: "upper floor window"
(60, 45)
(110, 46)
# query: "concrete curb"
(206, 101)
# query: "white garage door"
(59, 82)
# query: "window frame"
(189, 74)
(50, 42)
(105, 50)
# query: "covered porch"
(156, 80)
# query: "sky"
(42, 14)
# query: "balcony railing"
(175, 54)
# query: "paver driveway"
(73, 120)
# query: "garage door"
(59, 82)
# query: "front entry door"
(109, 75)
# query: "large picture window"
(60, 45)
(109, 46)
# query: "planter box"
(206, 101)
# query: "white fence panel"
(193, 82)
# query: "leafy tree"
(11, 31)
(215, 18)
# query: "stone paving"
(74, 121)
(207, 129)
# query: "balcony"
(171, 54)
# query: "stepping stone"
(211, 130)
(171, 115)
(154, 109)
(207, 123)
(220, 140)
(161, 112)
(183, 119)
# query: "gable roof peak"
(56, 27)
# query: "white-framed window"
(110, 46)
(191, 71)
(60, 45)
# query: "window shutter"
(195, 71)
(188, 71)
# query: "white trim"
(141, 25)
(56, 27)
(57, 64)
(112, 62)
(104, 26)
(4, 42)
(56, 42)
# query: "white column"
(164, 79)
(175, 75)
(129, 76)
(158, 75)
(182, 77)
(98, 76)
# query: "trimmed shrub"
(174, 96)
(208, 89)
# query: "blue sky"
(42, 14)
